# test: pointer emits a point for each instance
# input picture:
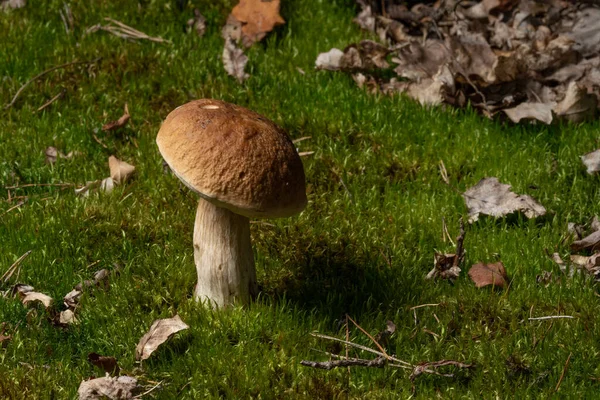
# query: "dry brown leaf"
(329, 60)
(67, 317)
(120, 171)
(160, 331)
(32, 297)
(590, 242)
(71, 299)
(4, 339)
(121, 122)
(117, 388)
(444, 267)
(12, 4)
(577, 105)
(234, 60)
(107, 185)
(258, 17)
(107, 363)
(592, 161)
(534, 111)
(488, 274)
(418, 61)
(490, 197)
(365, 18)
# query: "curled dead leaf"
(592, 161)
(67, 317)
(33, 297)
(107, 363)
(490, 197)
(121, 122)
(330, 60)
(258, 17)
(120, 171)
(234, 60)
(488, 274)
(160, 331)
(590, 242)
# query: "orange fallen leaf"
(258, 17)
(488, 274)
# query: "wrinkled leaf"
(120, 171)
(32, 297)
(488, 274)
(159, 332)
(107, 363)
(329, 60)
(590, 242)
(121, 122)
(258, 17)
(234, 61)
(67, 317)
(490, 197)
(71, 299)
(53, 154)
(534, 111)
(4, 339)
(117, 388)
(577, 105)
(592, 161)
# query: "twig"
(445, 233)
(124, 31)
(431, 333)
(425, 305)
(41, 74)
(379, 362)
(460, 251)
(306, 153)
(9, 273)
(550, 317)
(301, 139)
(425, 368)
(62, 185)
(52, 100)
(444, 173)
(139, 396)
(361, 347)
(375, 342)
(564, 371)
(99, 141)
(19, 204)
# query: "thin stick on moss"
(11, 270)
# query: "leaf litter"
(528, 60)
(493, 274)
(120, 172)
(160, 331)
(113, 388)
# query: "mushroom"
(243, 166)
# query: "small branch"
(301, 139)
(19, 204)
(379, 362)
(9, 273)
(550, 317)
(52, 100)
(124, 31)
(425, 305)
(306, 153)
(139, 396)
(61, 185)
(564, 371)
(375, 342)
(38, 76)
(460, 251)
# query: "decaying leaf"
(67, 317)
(447, 266)
(431, 368)
(120, 171)
(107, 363)
(592, 161)
(160, 331)
(258, 17)
(53, 154)
(329, 60)
(577, 105)
(117, 388)
(198, 23)
(4, 339)
(490, 197)
(590, 242)
(383, 337)
(234, 61)
(71, 299)
(488, 274)
(33, 297)
(121, 122)
(531, 111)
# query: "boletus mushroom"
(243, 166)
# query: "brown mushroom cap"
(234, 158)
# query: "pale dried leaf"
(490, 197)
(71, 299)
(577, 105)
(4, 339)
(258, 17)
(198, 23)
(592, 161)
(51, 154)
(329, 60)
(590, 242)
(107, 185)
(67, 317)
(121, 122)
(31, 297)
(529, 110)
(89, 186)
(159, 332)
(488, 274)
(120, 171)
(595, 224)
(12, 4)
(579, 260)
(366, 19)
(117, 388)
(234, 61)
(586, 31)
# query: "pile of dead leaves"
(528, 60)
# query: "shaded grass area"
(362, 246)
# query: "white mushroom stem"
(223, 256)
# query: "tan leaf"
(592, 161)
(71, 299)
(7, 4)
(488, 274)
(577, 105)
(591, 242)
(107, 185)
(4, 339)
(67, 317)
(121, 122)
(51, 154)
(120, 171)
(234, 61)
(159, 332)
(527, 110)
(329, 60)
(258, 17)
(107, 363)
(366, 19)
(31, 297)
(117, 388)
(490, 197)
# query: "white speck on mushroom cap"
(210, 107)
